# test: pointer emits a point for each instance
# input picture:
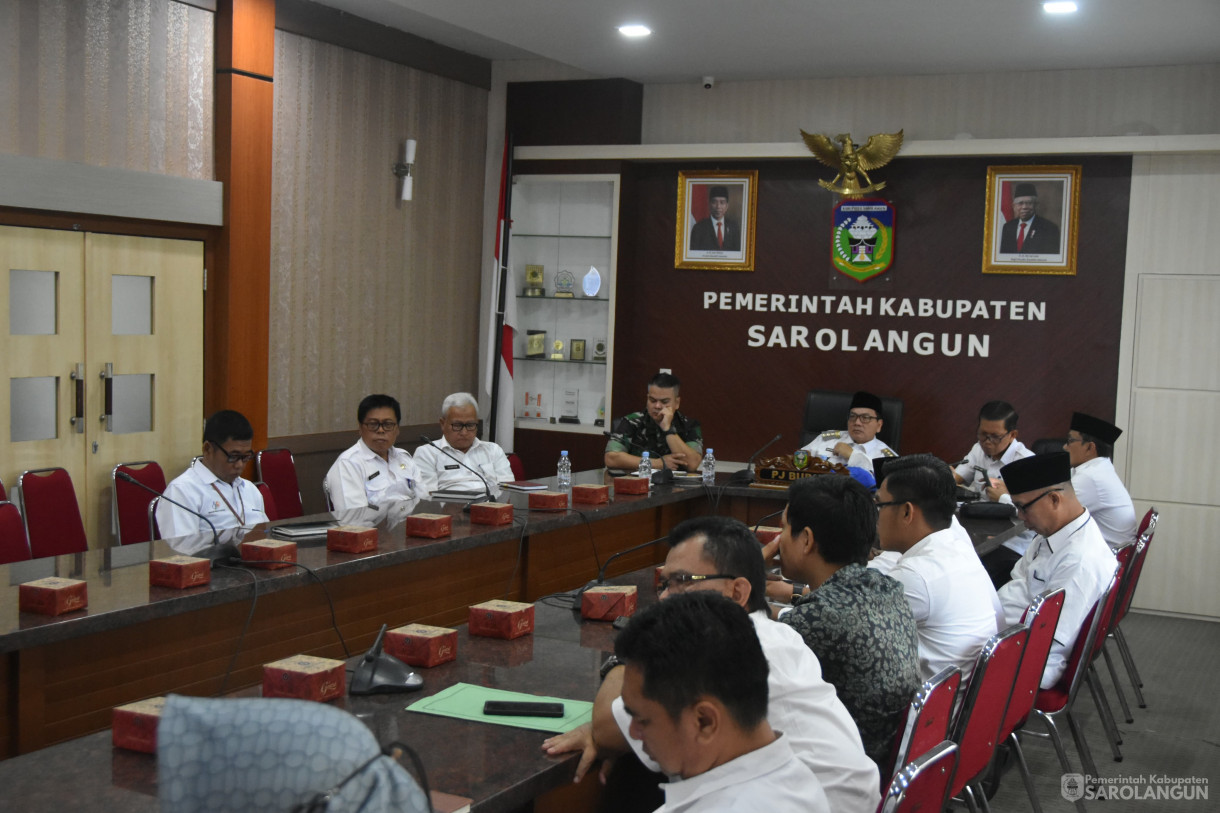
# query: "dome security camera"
(709, 82)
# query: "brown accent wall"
(744, 395)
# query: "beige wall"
(370, 294)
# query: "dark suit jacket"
(1041, 237)
(703, 236)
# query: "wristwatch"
(610, 663)
(670, 431)
(798, 590)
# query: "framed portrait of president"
(716, 215)
(1031, 221)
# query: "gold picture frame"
(697, 243)
(576, 350)
(1044, 243)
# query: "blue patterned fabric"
(272, 754)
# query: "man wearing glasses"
(721, 555)
(996, 447)
(374, 471)
(441, 469)
(858, 444)
(1090, 445)
(1068, 552)
(213, 485)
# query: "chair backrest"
(1081, 657)
(1148, 524)
(52, 515)
(922, 785)
(927, 719)
(130, 502)
(1047, 445)
(278, 470)
(330, 504)
(514, 463)
(1042, 617)
(153, 531)
(977, 729)
(827, 409)
(269, 507)
(14, 547)
(1136, 567)
(3, 493)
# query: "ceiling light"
(1059, 8)
(634, 30)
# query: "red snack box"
(351, 539)
(134, 726)
(429, 526)
(422, 644)
(656, 576)
(631, 484)
(269, 553)
(304, 677)
(491, 513)
(179, 572)
(606, 602)
(53, 596)
(501, 619)
(590, 495)
(548, 501)
(766, 533)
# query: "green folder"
(465, 702)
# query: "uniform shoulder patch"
(888, 452)
(830, 434)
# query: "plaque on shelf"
(535, 344)
(601, 413)
(599, 350)
(577, 351)
(558, 348)
(592, 283)
(533, 281)
(533, 405)
(565, 281)
(571, 407)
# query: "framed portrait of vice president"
(1031, 222)
(715, 223)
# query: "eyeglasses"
(679, 581)
(384, 426)
(986, 438)
(880, 505)
(235, 457)
(861, 417)
(1072, 440)
(1023, 508)
(464, 427)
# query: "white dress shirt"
(973, 478)
(862, 453)
(1075, 558)
(362, 477)
(439, 471)
(951, 596)
(814, 721)
(1098, 488)
(770, 779)
(227, 505)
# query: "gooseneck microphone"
(127, 478)
(445, 452)
(758, 524)
(601, 574)
(746, 474)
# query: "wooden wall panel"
(744, 395)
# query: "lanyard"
(241, 518)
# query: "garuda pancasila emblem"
(853, 164)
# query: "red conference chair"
(14, 547)
(977, 728)
(1052, 705)
(52, 515)
(1091, 679)
(130, 502)
(268, 501)
(278, 470)
(154, 532)
(514, 463)
(1042, 617)
(1143, 541)
(922, 785)
(927, 720)
(3, 493)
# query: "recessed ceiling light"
(1059, 8)
(634, 30)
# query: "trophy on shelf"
(557, 347)
(601, 413)
(533, 281)
(599, 350)
(592, 283)
(571, 404)
(577, 350)
(535, 344)
(565, 281)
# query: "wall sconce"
(406, 170)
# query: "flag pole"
(504, 226)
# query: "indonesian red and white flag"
(505, 399)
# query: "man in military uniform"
(672, 440)
(858, 444)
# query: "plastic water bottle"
(645, 467)
(564, 473)
(708, 467)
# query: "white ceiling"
(770, 39)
